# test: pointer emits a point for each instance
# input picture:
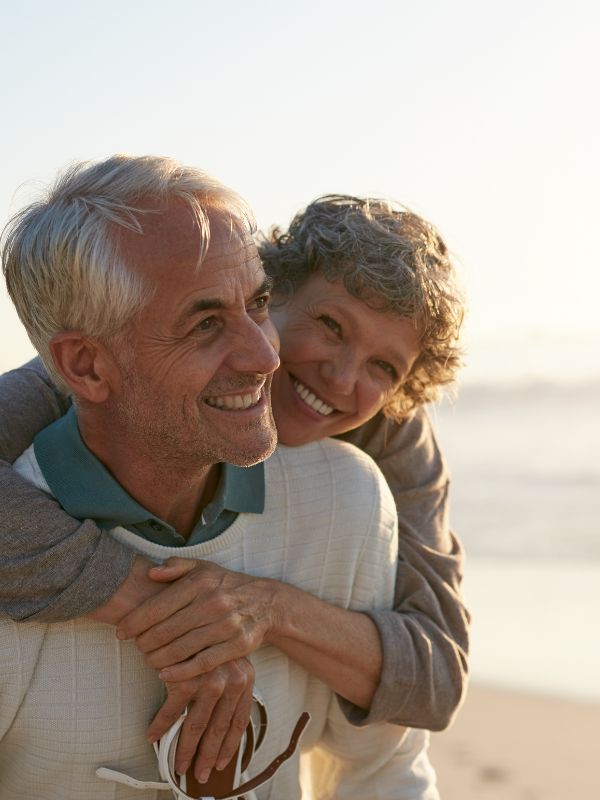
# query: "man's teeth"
(235, 402)
(312, 400)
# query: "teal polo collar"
(86, 489)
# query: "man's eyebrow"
(214, 303)
(208, 303)
(265, 286)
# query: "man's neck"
(176, 494)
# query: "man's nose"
(256, 347)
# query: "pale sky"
(484, 118)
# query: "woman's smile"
(341, 361)
(310, 399)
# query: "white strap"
(121, 777)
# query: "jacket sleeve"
(426, 637)
(52, 567)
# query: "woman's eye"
(388, 369)
(331, 324)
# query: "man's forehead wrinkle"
(174, 234)
(170, 236)
(229, 254)
(229, 235)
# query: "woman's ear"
(85, 365)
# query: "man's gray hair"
(61, 258)
(391, 259)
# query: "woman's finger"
(183, 623)
(156, 609)
(204, 661)
(196, 585)
(172, 569)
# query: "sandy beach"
(505, 745)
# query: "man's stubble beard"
(165, 434)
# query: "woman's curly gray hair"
(389, 258)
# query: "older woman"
(368, 314)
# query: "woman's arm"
(426, 638)
(53, 567)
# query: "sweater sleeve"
(52, 567)
(426, 637)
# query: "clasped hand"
(196, 632)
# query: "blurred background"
(483, 118)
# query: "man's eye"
(206, 324)
(260, 302)
(331, 324)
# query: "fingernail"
(221, 764)
(203, 776)
(152, 738)
(165, 674)
(121, 634)
(183, 768)
(159, 566)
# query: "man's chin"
(254, 455)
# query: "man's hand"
(218, 712)
(218, 702)
(206, 618)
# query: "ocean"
(525, 465)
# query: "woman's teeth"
(235, 402)
(312, 400)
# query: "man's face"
(198, 360)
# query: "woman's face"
(340, 361)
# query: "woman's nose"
(340, 373)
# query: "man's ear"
(85, 365)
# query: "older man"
(140, 286)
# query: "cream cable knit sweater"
(74, 698)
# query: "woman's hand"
(218, 713)
(208, 616)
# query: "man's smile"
(236, 402)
